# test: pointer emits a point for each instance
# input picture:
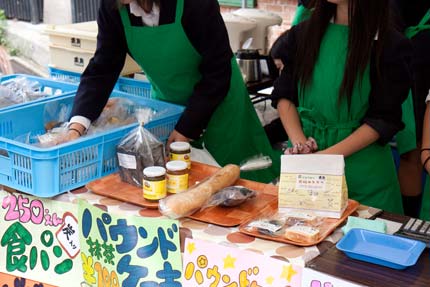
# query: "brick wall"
(284, 8)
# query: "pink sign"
(209, 264)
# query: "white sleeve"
(81, 120)
(428, 97)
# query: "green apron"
(406, 138)
(410, 33)
(302, 14)
(171, 63)
(370, 172)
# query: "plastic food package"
(118, 112)
(20, 90)
(53, 136)
(137, 150)
(187, 202)
(231, 196)
(299, 227)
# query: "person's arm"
(205, 28)
(285, 93)
(425, 150)
(383, 118)
(102, 71)
(359, 139)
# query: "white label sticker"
(272, 227)
(127, 161)
(311, 182)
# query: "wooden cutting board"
(327, 226)
(267, 197)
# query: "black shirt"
(386, 96)
(410, 12)
(205, 29)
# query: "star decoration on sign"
(229, 262)
(269, 280)
(288, 272)
(191, 247)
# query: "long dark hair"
(367, 18)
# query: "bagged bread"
(302, 233)
(187, 202)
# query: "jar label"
(177, 183)
(154, 190)
(183, 157)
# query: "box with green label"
(314, 183)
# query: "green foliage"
(3, 24)
(3, 40)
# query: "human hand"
(74, 131)
(310, 146)
(175, 136)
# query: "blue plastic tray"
(379, 248)
(127, 85)
(46, 172)
(48, 86)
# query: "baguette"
(187, 202)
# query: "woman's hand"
(175, 136)
(74, 131)
(310, 146)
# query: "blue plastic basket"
(49, 86)
(65, 76)
(127, 85)
(134, 87)
(46, 172)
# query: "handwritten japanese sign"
(128, 252)
(212, 265)
(7, 280)
(312, 278)
(39, 239)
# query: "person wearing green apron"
(186, 56)
(359, 121)
(420, 35)
(303, 11)
(412, 17)
(274, 130)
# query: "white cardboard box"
(313, 183)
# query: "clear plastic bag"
(256, 162)
(185, 203)
(137, 150)
(300, 227)
(53, 136)
(20, 90)
(117, 112)
(8, 97)
(231, 196)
